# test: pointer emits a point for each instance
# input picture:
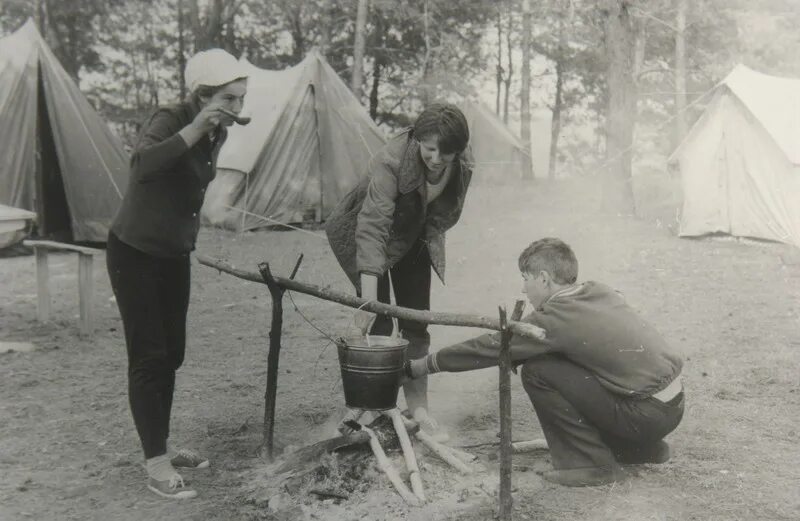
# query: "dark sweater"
(159, 214)
(591, 325)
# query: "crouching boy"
(605, 385)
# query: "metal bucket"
(371, 370)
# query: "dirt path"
(68, 448)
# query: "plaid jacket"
(377, 223)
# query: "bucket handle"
(395, 323)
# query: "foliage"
(129, 54)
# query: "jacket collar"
(412, 169)
(565, 292)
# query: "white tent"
(740, 163)
(307, 145)
(498, 152)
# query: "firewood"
(309, 456)
(328, 494)
(388, 469)
(447, 454)
(529, 446)
(408, 453)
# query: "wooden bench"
(85, 279)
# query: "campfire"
(303, 463)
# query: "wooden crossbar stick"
(346, 299)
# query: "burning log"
(447, 454)
(408, 453)
(529, 446)
(385, 465)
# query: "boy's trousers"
(585, 424)
(411, 282)
(153, 297)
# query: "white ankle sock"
(160, 468)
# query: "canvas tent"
(76, 183)
(496, 150)
(740, 163)
(308, 144)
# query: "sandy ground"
(68, 448)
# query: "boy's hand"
(532, 331)
(414, 369)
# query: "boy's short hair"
(446, 121)
(553, 256)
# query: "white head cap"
(213, 68)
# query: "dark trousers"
(585, 424)
(153, 296)
(411, 281)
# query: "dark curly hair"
(447, 122)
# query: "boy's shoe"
(172, 488)
(659, 452)
(189, 460)
(585, 476)
(430, 426)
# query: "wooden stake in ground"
(408, 453)
(506, 504)
(273, 356)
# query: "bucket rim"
(372, 342)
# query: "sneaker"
(173, 488)
(189, 460)
(430, 426)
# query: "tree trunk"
(426, 61)
(510, 71)
(40, 17)
(298, 37)
(181, 50)
(373, 93)
(214, 24)
(525, 131)
(499, 71)
(196, 26)
(326, 34)
(680, 71)
(357, 78)
(229, 38)
(555, 125)
(621, 110)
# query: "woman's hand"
(369, 291)
(204, 122)
(208, 118)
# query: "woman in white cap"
(149, 244)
